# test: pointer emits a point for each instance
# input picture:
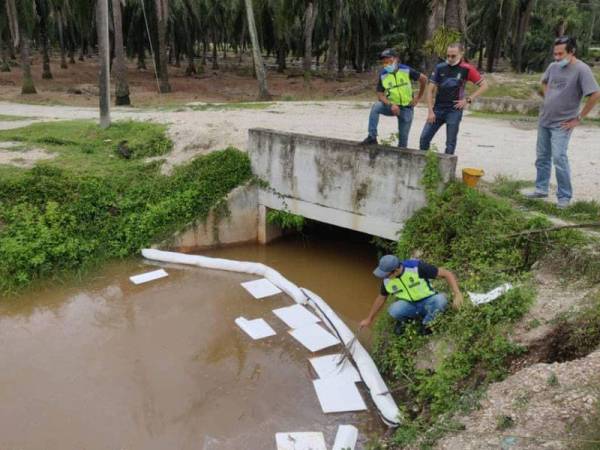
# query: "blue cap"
(387, 265)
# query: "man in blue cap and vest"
(407, 282)
(395, 94)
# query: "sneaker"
(563, 203)
(370, 140)
(535, 194)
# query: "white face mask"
(564, 62)
(453, 62)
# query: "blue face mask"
(391, 68)
(564, 62)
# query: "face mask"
(564, 62)
(391, 68)
(453, 62)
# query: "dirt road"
(495, 145)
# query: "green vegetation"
(465, 231)
(579, 211)
(286, 220)
(70, 213)
(9, 118)
(84, 148)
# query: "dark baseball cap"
(387, 264)
(389, 53)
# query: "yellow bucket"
(471, 176)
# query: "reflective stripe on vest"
(398, 87)
(408, 286)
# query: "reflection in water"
(104, 364)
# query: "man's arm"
(483, 86)
(422, 86)
(382, 98)
(377, 304)
(589, 105)
(453, 283)
(431, 93)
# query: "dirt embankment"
(555, 385)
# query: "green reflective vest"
(398, 87)
(408, 286)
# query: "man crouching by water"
(407, 282)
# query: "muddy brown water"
(103, 364)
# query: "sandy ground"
(496, 145)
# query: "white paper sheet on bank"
(300, 441)
(346, 438)
(261, 288)
(256, 329)
(314, 337)
(338, 395)
(329, 366)
(148, 276)
(296, 316)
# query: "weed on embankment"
(468, 232)
(65, 216)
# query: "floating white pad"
(329, 366)
(480, 299)
(300, 441)
(338, 395)
(256, 329)
(346, 438)
(261, 288)
(296, 316)
(314, 337)
(148, 276)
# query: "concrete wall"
(372, 189)
(510, 105)
(235, 224)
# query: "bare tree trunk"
(162, 11)
(525, 10)
(259, 66)
(141, 57)
(242, 40)
(335, 33)
(104, 60)
(61, 39)
(215, 56)
(4, 65)
(434, 21)
(28, 86)
(42, 6)
(191, 38)
(120, 65)
(310, 18)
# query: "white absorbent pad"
(339, 395)
(300, 441)
(256, 329)
(261, 288)
(296, 316)
(148, 276)
(314, 337)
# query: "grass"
(579, 211)
(9, 118)
(87, 205)
(464, 230)
(83, 148)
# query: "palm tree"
(120, 65)
(19, 25)
(335, 33)
(310, 18)
(263, 91)
(162, 15)
(43, 11)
